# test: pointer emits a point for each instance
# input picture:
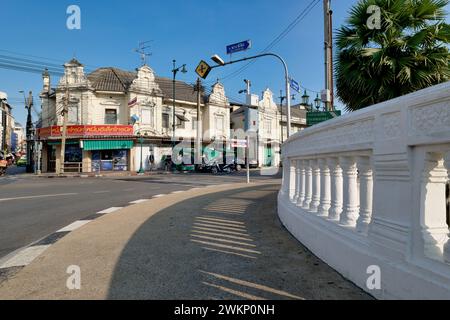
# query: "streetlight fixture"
(305, 99)
(220, 63)
(317, 102)
(175, 70)
(217, 59)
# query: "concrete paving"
(217, 242)
(31, 207)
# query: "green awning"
(90, 145)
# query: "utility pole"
(328, 41)
(198, 142)
(28, 106)
(64, 130)
(3, 111)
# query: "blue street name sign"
(241, 46)
(294, 85)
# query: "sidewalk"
(221, 242)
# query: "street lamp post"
(175, 70)
(220, 63)
(29, 131)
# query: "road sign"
(294, 85)
(315, 117)
(240, 46)
(203, 69)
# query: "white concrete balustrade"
(369, 189)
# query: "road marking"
(139, 201)
(98, 192)
(24, 257)
(159, 196)
(40, 196)
(175, 192)
(109, 210)
(74, 226)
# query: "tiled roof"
(183, 90)
(111, 79)
(117, 80)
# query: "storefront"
(108, 155)
(100, 148)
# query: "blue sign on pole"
(241, 46)
(294, 85)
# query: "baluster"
(301, 197)
(336, 189)
(446, 249)
(292, 180)
(308, 185)
(297, 181)
(315, 201)
(365, 194)
(285, 179)
(350, 184)
(325, 188)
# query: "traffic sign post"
(203, 69)
(240, 46)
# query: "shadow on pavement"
(227, 245)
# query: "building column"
(308, 185)
(365, 194)
(350, 188)
(58, 159)
(315, 202)
(87, 161)
(302, 185)
(336, 189)
(325, 188)
(44, 157)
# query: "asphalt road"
(31, 208)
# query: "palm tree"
(409, 52)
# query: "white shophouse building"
(110, 109)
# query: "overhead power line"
(312, 4)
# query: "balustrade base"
(351, 253)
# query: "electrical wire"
(284, 33)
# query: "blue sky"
(185, 30)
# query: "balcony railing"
(369, 189)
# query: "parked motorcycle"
(3, 167)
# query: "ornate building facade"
(115, 115)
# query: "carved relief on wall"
(430, 119)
